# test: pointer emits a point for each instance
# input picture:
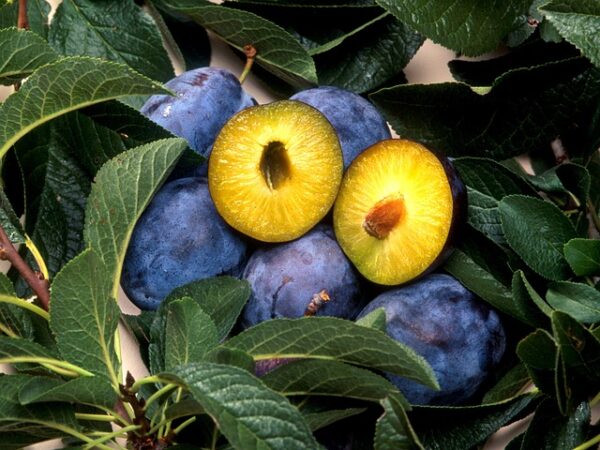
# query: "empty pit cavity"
(275, 165)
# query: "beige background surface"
(428, 66)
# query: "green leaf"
(537, 231)
(532, 307)
(120, 32)
(124, 187)
(454, 119)
(232, 357)
(9, 221)
(277, 50)
(22, 52)
(550, 430)
(84, 317)
(64, 86)
(513, 383)
(568, 178)
(393, 431)
(583, 255)
(446, 428)
(222, 298)
(482, 283)
(16, 320)
(330, 378)
(578, 21)
(538, 352)
(89, 390)
(579, 348)
(576, 299)
(35, 419)
(332, 339)
(469, 27)
(367, 60)
(184, 408)
(251, 416)
(189, 333)
(375, 319)
(37, 15)
(322, 419)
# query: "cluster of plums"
(260, 209)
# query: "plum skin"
(460, 337)
(285, 277)
(357, 122)
(206, 98)
(179, 238)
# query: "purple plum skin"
(206, 98)
(285, 277)
(460, 336)
(357, 122)
(179, 238)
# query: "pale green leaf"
(22, 52)
(84, 317)
(63, 86)
(576, 299)
(583, 255)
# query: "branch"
(35, 280)
(22, 20)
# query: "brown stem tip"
(384, 216)
(316, 303)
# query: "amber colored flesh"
(394, 211)
(275, 170)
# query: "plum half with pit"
(205, 99)
(357, 122)
(398, 211)
(309, 276)
(461, 337)
(179, 238)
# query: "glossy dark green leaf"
(482, 283)
(578, 21)
(232, 357)
(503, 122)
(567, 178)
(222, 298)
(330, 378)
(537, 231)
(251, 415)
(448, 428)
(277, 50)
(369, 59)
(318, 420)
(64, 86)
(393, 430)
(579, 300)
(84, 316)
(550, 430)
(538, 352)
(90, 390)
(120, 32)
(583, 255)
(10, 222)
(333, 339)
(189, 333)
(579, 348)
(21, 52)
(513, 383)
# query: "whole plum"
(310, 275)
(206, 98)
(179, 238)
(460, 337)
(357, 122)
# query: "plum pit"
(275, 165)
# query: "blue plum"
(179, 238)
(357, 122)
(460, 337)
(286, 279)
(206, 99)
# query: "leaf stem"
(96, 417)
(588, 444)
(215, 437)
(250, 52)
(163, 390)
(21, 303)
(93, 443)
(152, 379)
(7, 331)
(51, 362)
(37, 281)
(185, 424)
(39, 260)
(595, 400)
